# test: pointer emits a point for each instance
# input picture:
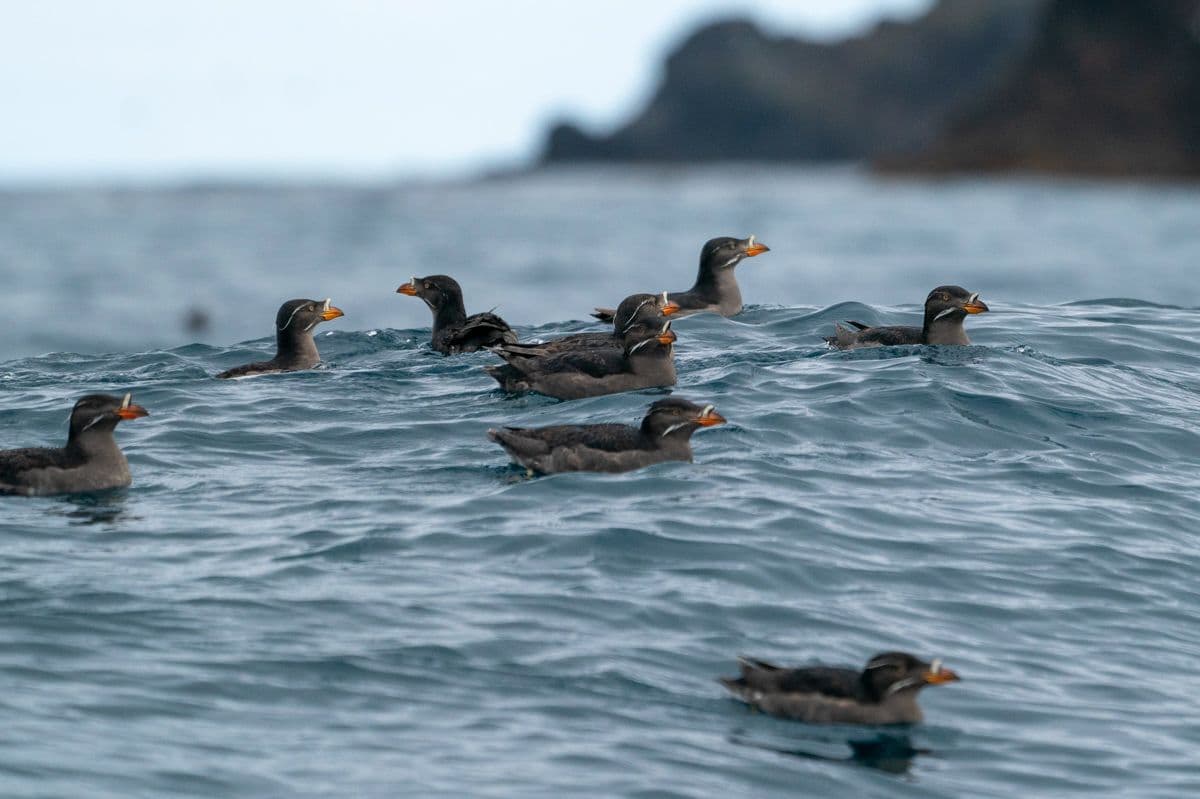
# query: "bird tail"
(753, 664)
(509, 378)
(842, 337)
(740, 684)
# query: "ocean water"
(331, 583)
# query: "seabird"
(646, 361)
(716, 286)
(453, 331)
(945, 309)
(633, 310)
(294, 345)
(884, 692)
(91, 460)
(664, 435)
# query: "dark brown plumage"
(91, 460)
(884, 692)
(716, 288)
(633, 310)
(453, 331)
(945, 309)
(664, 435)
(294, 345)
(647, 361)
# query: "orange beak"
(940, 676)
(709, 418)
(667, 337)
(331, 313)
(670, 308)
(132, 412)
(975, 306)
(753, 248)
(407, 288)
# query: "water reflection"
(892, 751)
(104, 507)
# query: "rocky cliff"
(1108, 87)
(734, 92)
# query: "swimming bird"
(884, 692)
(294, 345)
(453, 331)
(664, 435)
(634, 309)
(716, 286)
(646, 361)
(945, 309)
(91, 460)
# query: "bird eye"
(428, 285)
(943, 296)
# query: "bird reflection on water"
(104, 507)
(888, 751)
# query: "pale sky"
(164, 89)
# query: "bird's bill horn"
(669, 307)
(329, 311)
(667, 335)
(754, 248)
(130, 411)
(709, 417)
(409, 288)
(975, 305)
(938, 674)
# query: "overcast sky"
(178, 88)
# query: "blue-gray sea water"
(330, 583)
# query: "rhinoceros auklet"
(453, 331)
(294, 345)
(945, 309)
(884, 692)
(665, 435)
(633, 310)
(91, 460)
(716, 286)
(645, 362)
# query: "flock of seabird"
(638, 353)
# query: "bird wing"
(480, 330)
(829, 681)
(261, 367)
(555, 346)
(890, 336)
(16, 462)
(597, 362)
(825, 680)
(541, 440)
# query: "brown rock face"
(1109, 87)
(732, 92)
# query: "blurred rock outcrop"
(733, 92)
(1109, 87)
(1104, 87)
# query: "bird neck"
(901, 708)
(296, 348)
(451, 312)
(717, 284)
(947, 330)
(95, 445)
(676, 441)
(650, 353)
(656, 361)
